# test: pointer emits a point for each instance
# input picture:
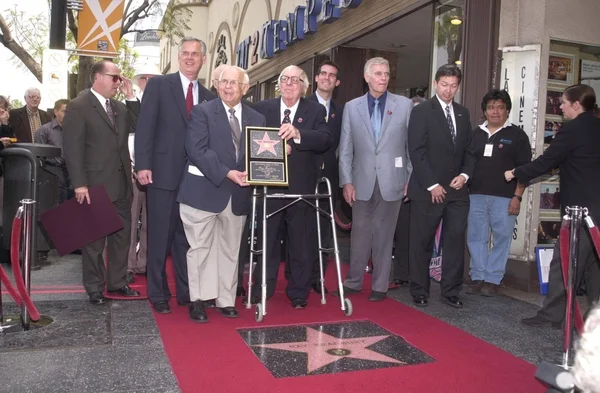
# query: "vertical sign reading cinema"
(520, 77)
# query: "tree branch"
(130, 19)
(72, 23)
(13, 46)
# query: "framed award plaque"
(266, 157)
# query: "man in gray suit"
(374, 171)
(96, 128)
(214, 196)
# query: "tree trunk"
(83, 76)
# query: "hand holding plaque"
(266, 157)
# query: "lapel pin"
(300, 120)
(332, 115)
(500, 146)
(389, 112)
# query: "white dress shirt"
(322, 101)
(185, 82)
(238, 112)
(100, 98)
(293, 110)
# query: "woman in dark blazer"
(575, 150)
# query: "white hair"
(193, 39)
(373, 61)
(245, 77)
(32, 90)
(303, 76)
(585, 369)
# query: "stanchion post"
(575, 213)
(28, 250)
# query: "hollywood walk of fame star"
(323, 349)
(266, 144)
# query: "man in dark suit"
(439, 136)
(302, 123)
(213, 223)
(96, 128)
(160, 164)
(327, 80)
(27, 120)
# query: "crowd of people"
(172, 160)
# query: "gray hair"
(303, 76)
(585, 368)
(245, 77)
(32, 90)
(373, 61)
(193, 39)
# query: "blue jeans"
(489, 213)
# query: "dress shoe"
(453, 301)
(420, 300)
(397, 284)
(475, 287)
(317, 288)
(254, 300)
(162, 307)
(489, 290)
(183, 302)
(97, 298)
(538, 321)
(298, 303)
(129, 277)
(197, 313)
(126, 291)
(228, 312)
(240, 292)
(209, 303)
(377, 296)
(347, 291)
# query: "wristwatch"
(520, 198)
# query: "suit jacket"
(574, 150)
(19, 122)
(211, 155)
(315, 139)
(362, 161)
(94, 151)
(327, 163)
(434, 157)
(161, 128)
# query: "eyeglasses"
(232, 83)
(115, 77)
(380, 74)
(294, 79)
(34, 97)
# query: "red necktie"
(189, 98)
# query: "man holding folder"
(96, 128)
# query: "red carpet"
(140, 285)
(213, 358)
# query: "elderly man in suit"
(374, 171)
(160, 165)
(439, 139)
(327, 79)
(25, 121)
(302, 123)
(96, 128)
(214, 222)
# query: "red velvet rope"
(9, 287)
(565, 248)
(595, 233)
(15, 238)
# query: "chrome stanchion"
(575, 214)
(27, 210)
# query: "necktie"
(286, 116)
(235, 130)
(450, 124)
(189, 98)
(376, 121)
(110, 113)
(326, 114)
(36, 125)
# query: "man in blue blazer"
(160, 163)
(214, 196)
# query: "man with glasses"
(95, 132)
(302, 123)
(327, 79)
(215, 167)
(160, 164)
(27, 120)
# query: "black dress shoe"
(183, 302)
(228, 312)
(420, 300)
(347, 291)
(162, 307)
(126, 291)
(538, 321)
(254, 300)
(129, 277)
(377, 296)
(197, 313)
(299, 303)
(240, 292)
(397, 284)
(209, 303)
(97, 298)
(317, 288)
(453, 301)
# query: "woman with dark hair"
(5, 131)
(575, 150)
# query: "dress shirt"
(444, 105)
(322, 101)
(293, 110)
(51, 134)
(238, 112)
(485, 128)
(100, 98)
(371, 101)
(185, 82)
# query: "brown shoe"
(474, 288)
(489, 289)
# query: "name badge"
(487, 152)
(398, 162)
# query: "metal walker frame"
(261, 308)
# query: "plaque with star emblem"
(266, 157)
